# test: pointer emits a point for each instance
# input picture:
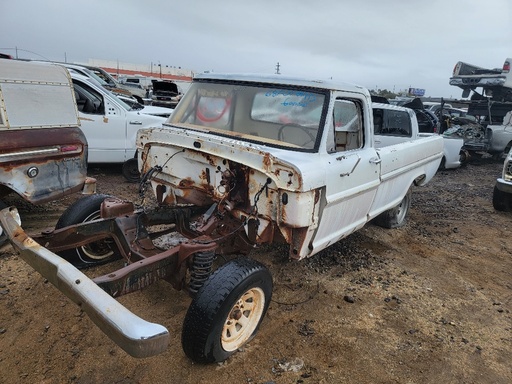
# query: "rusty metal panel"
(44, 164)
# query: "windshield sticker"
(293, 98)
(213, 93)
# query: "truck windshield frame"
(277, 115)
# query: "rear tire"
(130, 170)
(226, 311)
(442, 164)
(3, 236)
(96, 253)
(501, 201)
(395, 217)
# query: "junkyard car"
(43, 152)
(491, 101)
(495, 139)
(111, 126)
(242, 161)
(165, 93)
(502, 194)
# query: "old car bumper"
(504, 186)
(136, 336)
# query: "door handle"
(136, 122)
(375, 160)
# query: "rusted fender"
(136, 336)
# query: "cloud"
(388, 44)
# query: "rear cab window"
(392, 123)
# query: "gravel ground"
(427, 303)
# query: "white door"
(352, 177)
(104, 125)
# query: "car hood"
(165, 86)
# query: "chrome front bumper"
(136, 336)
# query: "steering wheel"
(306, 130)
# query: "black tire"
(207, 334)
(501, 201)
(442, 164)
(395, 217)
(3, 236)
(130, 170)
(96, 253)
(499, 157)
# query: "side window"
(87, 99)
(348, 125)
(378, 118)
(396, 123)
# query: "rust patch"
(186, 183)
(267, 162)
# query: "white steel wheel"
(243, 319)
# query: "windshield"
(279, 116)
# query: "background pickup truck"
(395, 124)
(43, 152)
(242, 161)
(468, 77)
(111, 125)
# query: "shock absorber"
(200, 270)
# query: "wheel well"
(420, 180)
(507, 148)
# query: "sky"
(379, 44)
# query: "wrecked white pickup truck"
(242, 161)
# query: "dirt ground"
(427, 303)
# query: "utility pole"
(277, 68)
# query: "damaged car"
(165, 93)
(491, 102)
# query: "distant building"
(154, 70)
